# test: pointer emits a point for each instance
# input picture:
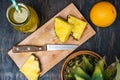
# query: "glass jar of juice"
(25, 21)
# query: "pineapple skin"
(62, 29)
(78, 26)
(31, 68)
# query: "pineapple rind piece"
(78, 26)
(31, 68)
(62, 29)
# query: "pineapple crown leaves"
(117, 77)
(85, 70)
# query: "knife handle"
(27, 48)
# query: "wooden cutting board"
(46, 35)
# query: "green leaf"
(101, 64)
(117, 60)
(78, 78)
(72, 72)
(110, 71)
(87, 66)
(82, 73)
(97, 74)
(69, 74)
(118, 70)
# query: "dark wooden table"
(105, 42)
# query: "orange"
(103, 14)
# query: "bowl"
(75, 55)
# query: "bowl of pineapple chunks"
(88, 65)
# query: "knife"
(48, 47)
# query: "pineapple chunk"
(78, 26)
(62, 29)
(31, 68)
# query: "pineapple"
(79, 68)
(78, 26)
(31, 68)
(62, 29)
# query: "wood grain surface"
(46, 35)
(105, 42)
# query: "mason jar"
(25, 21)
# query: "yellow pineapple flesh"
(78, 26)
(62, 29)
(31, 68)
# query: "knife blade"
(48, 47)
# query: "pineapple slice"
(31, 68)
(78, 26)
(62, 29)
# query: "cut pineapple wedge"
(31, 68)
(78, 26)
(62, 29)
